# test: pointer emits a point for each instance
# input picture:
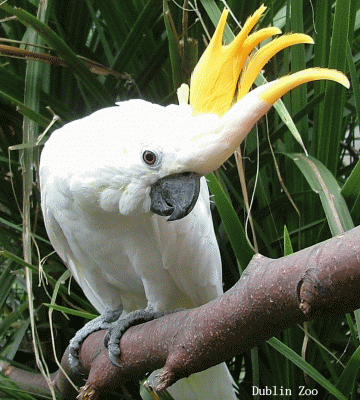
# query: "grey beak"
(175, 195)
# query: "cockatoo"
(125, 199)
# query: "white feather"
(95, 199)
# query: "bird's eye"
(149, 157)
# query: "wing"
(108, 280)
(61, 246)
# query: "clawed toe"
(99, 323)
(113, 336)
(74, 357)
(114, 332)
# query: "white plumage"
(103, 187)
(95, 190)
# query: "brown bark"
(272, 295)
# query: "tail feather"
(215, 383)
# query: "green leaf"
(174, 46)
(323, 182)
(306, 367)
(347, 382)
(26, 111)
(71, 311)
(233, 227)
(329, 131)
(288, 249)
(183, 50)
(351, 192)
(94, 86)
(298, 63)
(12, 317)
(354, 81)
(133, 40)
(35, 269)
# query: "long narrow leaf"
(71, 311)
(306, 367)
(134, 38)
(330, 127)
(349, 377)
(351, 192)
(233, 227)
(323, 182)
(35, 269)
(52, 39)
(26, 111)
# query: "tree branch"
(271, 295)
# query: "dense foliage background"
(151, 47)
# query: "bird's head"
(152, 157)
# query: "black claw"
(107, 338)
(74, 360)
(114, 360)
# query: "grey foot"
(97, 324)
(113, 336)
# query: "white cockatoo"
(125, 201)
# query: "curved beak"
(175, 195)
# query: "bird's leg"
(103, 321)
(113, 336)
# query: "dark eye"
(149, 157)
